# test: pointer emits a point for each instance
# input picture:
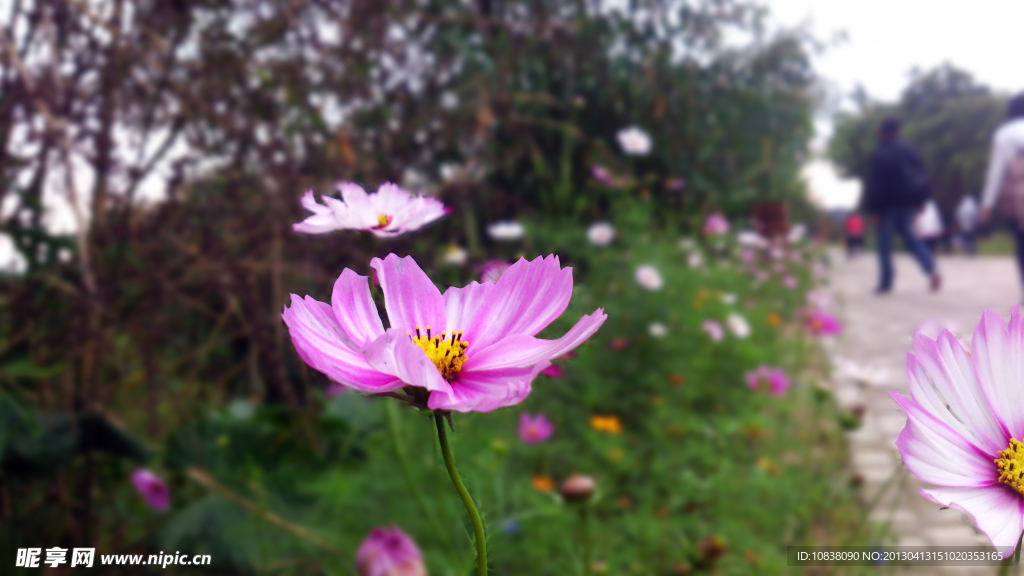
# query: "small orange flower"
(610, 424)
(768, 466)
(543, 483)
(676, 379)
(774, 319)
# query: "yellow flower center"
(448, 353)
(383, 220)
(1011, 465)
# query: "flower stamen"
(448, 353)
(382, 220)
(1011, 465)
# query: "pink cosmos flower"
(773, 379)
(716, 224)
(713, 329)
(819, 298)
(822, 323)
(471, 349)
(152, 488)
(389, 552)
(534, 429)
(602, 175)
(553, 371)
(965, 422)
(388, 212)
(789, 282)
(491, 271)
(747, 256)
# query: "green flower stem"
(467, 501)
(587, 544)
(403, 460)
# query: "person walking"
(967, 215)
(1004, 183)
(897, 188)
(928, 226)
(854, 228)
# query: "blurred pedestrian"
(967, 215)
(854, 228)
(928, 226)
(897, 188)
(1004, 184)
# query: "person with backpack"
(1004, 184)
(897, 189)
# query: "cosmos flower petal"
(528, 296)
(410, 298)
(390, 198)
(521, 350)
(321, 221)
(997, 512)
(937, 454)
(323, 344)
(483, 391)
(461, 304)
(354, 308)
(941, 374)
(997, 352)
(395, 354)
(361, 211)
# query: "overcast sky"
(885, 39)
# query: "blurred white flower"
(738, 325)
(870, 375)
(449, 171)
(649, 277)
(751, 239)
(413, 179)
(818, 298)
(634, 141)
(796, 233)
(728, 298)
(687, 244)
(456, 255)
(601, 233)
(506, 230)
(713, 329)
(695, 259)
(449, 101)
(657, 330)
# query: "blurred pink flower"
(602, 175)
(766, 377)
(965, 424)
(388, 212)
(472, 349)
(649, 277)
(713, 329)
(789, 282)
(747, 256)
(152, 489)
(716, 224)
(491, 271)
(553, 371)
(822, 323)
(389, 552)
(675, 183)
(819, 298)
(534, 429)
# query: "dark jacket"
(896, 178)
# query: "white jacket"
(1006, 144)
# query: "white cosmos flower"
(738, 325)
(601, 233)
(657, 330)
(649, 277)
(796, 233)
(634, 141)
(388, 212)
(456, 255)
(506, 230)
(751, 239)
(695, 259)
(728, 298)
(713, 330)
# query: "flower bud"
(389, 552)
(577, 488)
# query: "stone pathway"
(878, 336)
